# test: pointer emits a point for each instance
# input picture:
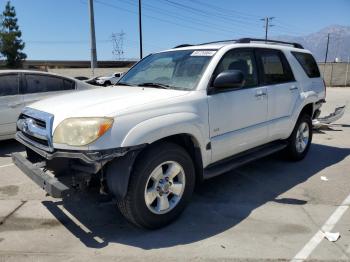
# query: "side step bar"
(49, 183)
(243, 158)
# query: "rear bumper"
(45, 180)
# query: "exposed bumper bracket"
(49, 183)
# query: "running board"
(243, 158)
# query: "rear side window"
(9, 85)
(42, 83)
(68, 84)
(308, 63)
(275, 67)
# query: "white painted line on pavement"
(77, 222)
(305, 252)
(7, 165)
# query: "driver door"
(237, 116)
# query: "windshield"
(174, 69)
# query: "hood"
(108, 101)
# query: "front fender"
(157, 128)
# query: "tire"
(298, 146)
(151, 164)
(107, 83)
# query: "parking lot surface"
(270, 209)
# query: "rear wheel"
(300, 140)
(160, 186)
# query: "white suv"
(176, 117)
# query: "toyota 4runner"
(175, 118)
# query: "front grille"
(38, 122)
(37, 140)
(34, 127)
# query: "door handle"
(260, 94)
(293, 88)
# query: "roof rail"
(219, 41)
(183, 45)
(248, 40)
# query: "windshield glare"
(176, 69)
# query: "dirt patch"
(1, 239)
(9, 190)
(22, 223)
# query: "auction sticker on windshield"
(203, 53)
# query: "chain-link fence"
(336, 74)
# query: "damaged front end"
(60, 172)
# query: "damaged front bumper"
(89, 162)
(44, 179)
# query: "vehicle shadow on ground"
(7, 147)
(218, 204)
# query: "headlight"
(81, 131)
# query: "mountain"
(339, 42)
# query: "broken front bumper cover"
(47, 181)
(89, 157)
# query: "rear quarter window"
(308, 63)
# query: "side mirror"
(229, 79)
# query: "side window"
(242, 60)
(36, 83)
(308, 63)
(275, 67)
(68, 84)
(9, 85)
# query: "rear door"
(40, 86)
(11, 103)
(283, 90)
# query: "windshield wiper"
(156, 85)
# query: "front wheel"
(300, 140)
(160, 186)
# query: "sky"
(59, 29)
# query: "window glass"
(242, 60)
(308, 63)
(68, 84)
(9, 85)
(42, 83)
(275, 67)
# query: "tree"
(11, 44)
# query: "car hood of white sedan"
(107, 101)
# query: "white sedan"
(19, 88)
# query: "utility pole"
(325, 59)
(92, 37)
(267, 25)
(140, 28)
(347, 71)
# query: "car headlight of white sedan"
(81, 131)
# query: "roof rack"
(220, 41)
(183, 45)
(248, 40)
